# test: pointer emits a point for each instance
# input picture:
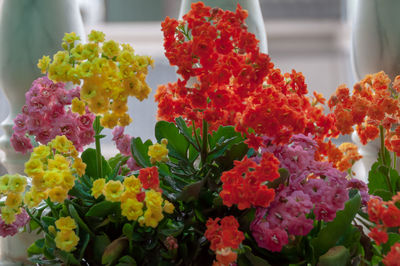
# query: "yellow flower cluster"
(52, 169)
(147, 207)
(108, 72)
(158, 152)
(65, 239)
(12, 186)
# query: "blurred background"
(310, 36)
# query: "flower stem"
(97, 136)
(383, 157)
(382, 149)
(204, 149)
(394, 160)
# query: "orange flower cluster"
(224, 236)
(372, 104)
(342, 157)
(393, 257)
(226, 80)
(384, 214)
(244, 184)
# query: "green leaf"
(78, 219)
(99, 245)
(394, 179)
(49, 241)
(338, 255)
(126, 261)
(377, 182)
(177, 143)
(191, 192)
(68, 258)
(330, 234)
(114, 250)
(79, 191)
(36, 247)
(186, 131)
(255, 260)
(84, 241)
(284, 176)
(235, 152)
(113, 161)
(127, 230)
(139, 151)
(103, 208)
(47, 221)
(392, 239)
(89, 158)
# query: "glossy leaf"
(89, 158)
(177, 143)
(103, 208)
(139, 151)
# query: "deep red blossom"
(149, 178)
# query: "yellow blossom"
(30, 201)
(52, 178)
(124, 120)
(4, 182)
(109, 120)
(132, 184)
(17, 183)
(8, 214)
(68, 181)
(152, 217)
(70, 37)
(52, 230)
(113, 190)
(13, 200)
(79, 166)
(98, 186)
(66, 240)
(38, 195)
(90, 51)
(40, 152)
(168, 207)
(127, 195)
(78, 106)
(158, 152)
(58, 163)
(34, 168)
(96, 36)
(98, 104)
(39, 183)
(153, 199)
(132, 209)
(58, 194)
(62, 145)
(77, 51)
(65, 223)
(111, 49)
(43, 64)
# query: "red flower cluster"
(393, 257)
(244, 183)
(226, 80)
(149, 178)
(224, 236)
(384, 214)
(373, 103)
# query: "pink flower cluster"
(123, 143)
(312, 186)
(47, 114)
(11, 229)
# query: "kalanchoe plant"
(243, 172)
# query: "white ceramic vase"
(29, 29)
(375, 47)
(254, 21)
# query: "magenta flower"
(11, 229)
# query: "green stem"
(204, 149)
(35, 219)
(382, 149)
(394, 160)
(52, 208)
(383, 157)
(196, 136)
(97, 130)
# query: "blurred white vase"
(29, 29)
(375, 47)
